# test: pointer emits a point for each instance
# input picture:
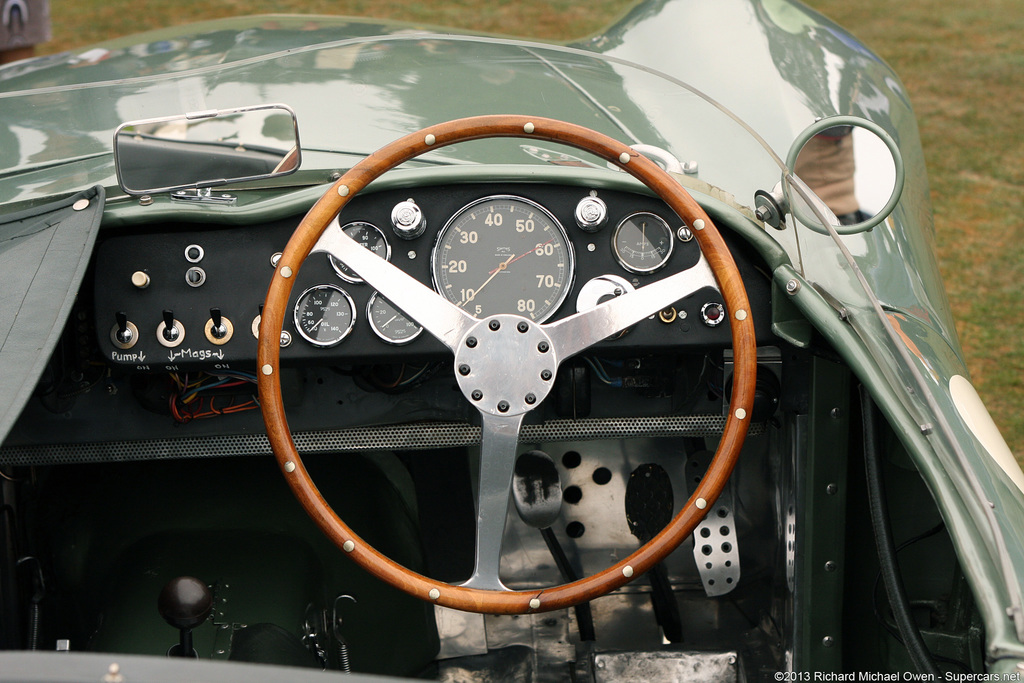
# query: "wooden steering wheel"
(486, 345)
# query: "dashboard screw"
(494, 325)
(471, 342)
(545, 375)
(543, 347)
(477, 395)
(522, 327)
(463, 369)
(830, 566)
(828, 641)
(530, 399)
(503, 406)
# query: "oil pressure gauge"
(642, 243)
(324, 315)
(389, 323)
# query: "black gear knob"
(184, 603)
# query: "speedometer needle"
(508, 263)
(501, 266)
(473, 292)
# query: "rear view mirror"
(853, 167)
(206, 149)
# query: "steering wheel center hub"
(506, 365)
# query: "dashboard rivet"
(503, 406)
(477, 395)
(494, 326)
(348, 546)
(343, 190)
(698, 224)
(701, 503)
(430, 139)
(286, 272)
(434, 594)
(268, 369)
(289, 467)
(464, 369)
(543, 347)
(545, 375)
(535, 603)
(530, 399)
(81, 204)
(741, 414)
(741, 314)
(471, 342)
(627, 571)
(529, 128)
(523, 326)
(624, 158)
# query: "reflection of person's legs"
(826, 164)
(25, 23)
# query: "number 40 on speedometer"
(503, 254)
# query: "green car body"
(738, 94)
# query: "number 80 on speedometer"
(503, 254)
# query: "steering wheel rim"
(488, 600)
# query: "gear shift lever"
(184, 603)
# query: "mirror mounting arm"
(203, 195)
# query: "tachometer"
(503, 254)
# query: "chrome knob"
(591, 214)
(407, 220)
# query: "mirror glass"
(206, 149)
(855, 170)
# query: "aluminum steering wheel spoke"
(444, 320)
(578, 332)
(498, 448)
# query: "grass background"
(962, 63)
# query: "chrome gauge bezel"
(315, 342)
(570, 263)
(624, 262)
(336, 267)
(381, 333)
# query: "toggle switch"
(218, 328)
(170, 332)
(124, 334)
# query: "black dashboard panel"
(145, 275)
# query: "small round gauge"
(642, 243)
(369, 237)
(389, 323)
(503, 254)
(324, 315)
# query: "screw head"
(494, 325)
(477, 395)
(503, 406)
(830, 566)
(831, 489)
(471, 342)
(464, 369)
(828, 641)
(543, 347)
(522, 326)
(792, 286)
(530, 399)
(545, 375)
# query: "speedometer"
(503, 254)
